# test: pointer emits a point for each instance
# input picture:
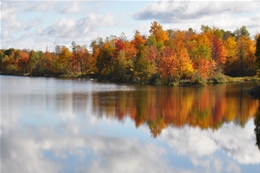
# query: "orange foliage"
(162, 107)
(23, 61)
(204, 67)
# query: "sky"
(39, 25)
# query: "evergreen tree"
(257, 51)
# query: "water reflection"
(160, 107)
(257, 129)
(50, 125)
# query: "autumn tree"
(130, 50)
(23, 61)
(167, 66)
(138, 41)
(79, 58)
(105, 60)
(119, 45)
(96, 46)
(231, 47)
(63, 64)
(246, 56)
(50, 59)
(218, 52)
(183, 62)
(157, 31)
(8, 65)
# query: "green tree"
(123, 67)
(33, 61)
(143, 68)
(257, 51)
(63, 61)
(241, 32)
(1, 59)
(105, 60)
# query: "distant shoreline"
(255, 91)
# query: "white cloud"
(173, 11)
(111, 154)
(20, 155)
(235, 142)
(8, 12)
(9, 21)
(47, 6)
(232, 168)
(5, 34)
(82, 30)
(184, 14)
(32, 24)
(70, 8)
(63, 27)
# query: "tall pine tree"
(257, 51)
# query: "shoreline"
(180, 83)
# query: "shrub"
(197, 79)
(218, 78)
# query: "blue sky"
(37, 24)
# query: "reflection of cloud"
(70, 130)
(193, 142)
(22, 155)
(108, 154)
(238, 143)
(26, 152)
(8, 122)
(234, 141)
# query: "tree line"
(163, 57)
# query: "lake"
(80, 125)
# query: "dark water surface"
(72, 125)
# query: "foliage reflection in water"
(58, 125)
(160, 107)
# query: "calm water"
(63, 125)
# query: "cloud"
(70, 8)
(8, 12)
(81, 30)
(184, 14)
(175, 11)
(235, 142)
(61, 28)
(19, 154)
(47, 6)
(32, 24)
(111, 154)
(8, 17)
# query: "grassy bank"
(193, 82)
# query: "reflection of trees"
(159, 107)
(257, 129)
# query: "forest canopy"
(162, 57)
